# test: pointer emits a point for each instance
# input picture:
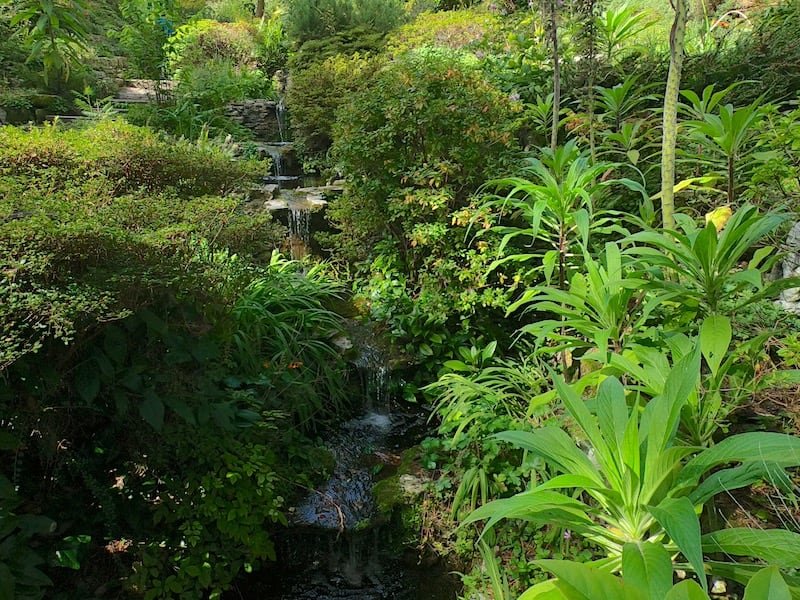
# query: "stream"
(336, 546)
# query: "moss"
(389, 494)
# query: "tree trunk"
(556, 74)
(259, 8)
(670, 135)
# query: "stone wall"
(259, 116)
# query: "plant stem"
(670, 135)
(556, 74)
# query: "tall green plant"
(617, 26)
(702, 264)
(604, 308)
(670, 124)
(556, 200)
(728, 133)
(56, 35)
(644, 484)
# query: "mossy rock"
(48, 102)
(388, 495)
(400, 489)
(19, 116)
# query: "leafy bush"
(195, 43)
(415, 144)
(125, 156)
(146, 316)
(473, 28)
(356, 40)
(317, 92)
(315, 19)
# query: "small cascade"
(280, 115)
(346, 501)
(339, 545)
(299, 230)
(284, 169)
(373, 364)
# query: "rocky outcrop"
(259, 116)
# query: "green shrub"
(315, 19)
(216, 516)
(317, 92)
(415, 144)
(195, 43)
(473, 28)
(218, 82)
(126, 156)
(357, 40)
(138, 324)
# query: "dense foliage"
(140, 345)
(566, 219)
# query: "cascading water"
(280, 115)
(373, 365)
(337, 549)
(299, 230)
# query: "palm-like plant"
(604, 308)
(615, 27)
(56, 34)
(702, 264)
(729, 134)
(645, 486)
(616, 103)
(556, 200)
(698, 106)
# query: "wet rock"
(790, 299)
(412, 485)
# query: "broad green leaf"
(715, 338)
(743, 573)
(87, 381)
(686, 590)
(738, 477)
(758, 446)
(678, 518)
(579, 581)
(546, 590)
(540, 506)
(768, 584)
(648, 567)
(774, 546)
(586, 420)
(554, 446)
(152, 410)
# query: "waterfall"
(299, 230)
(280, 115)
(373, 363)
(277, 163)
